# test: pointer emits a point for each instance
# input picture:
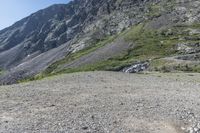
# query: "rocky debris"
(153, 104)
(195, 128)
(117, 47)
(191, 123)
(194, 31)
(136, 67)
(188, 51)
(188, 48)
(189, 57)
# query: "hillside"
(102, 35)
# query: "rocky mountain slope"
(80, 35)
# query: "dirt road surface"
(103, 102)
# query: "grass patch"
(2, 71)
(154, 11)
(149, 44)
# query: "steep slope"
(171, 29)
(32, 44)
(52, 27)
(77, 37)
(33, 35)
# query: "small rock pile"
(137, 67)
(194, 128)
(194, 124)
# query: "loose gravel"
(103, 102)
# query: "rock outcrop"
(137, 67)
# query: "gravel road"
(103, 102)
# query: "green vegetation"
(53, 69)
(178, 67)
(2, 71)
(154, 11)
(78, 54)
(149, 44)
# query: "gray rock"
(137, 67)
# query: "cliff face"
(35, 42)
(59, 24)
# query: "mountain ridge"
(63, 33)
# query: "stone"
(136, 67)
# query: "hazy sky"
(14, 10)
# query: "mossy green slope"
(149, 44)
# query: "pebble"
(85, 128)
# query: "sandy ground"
(103, 102)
